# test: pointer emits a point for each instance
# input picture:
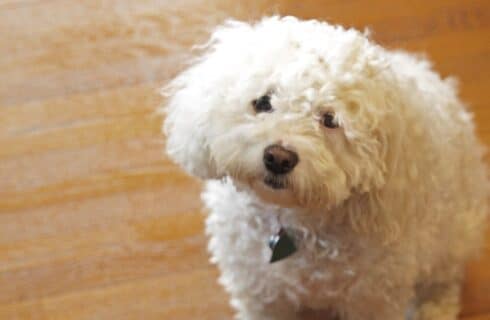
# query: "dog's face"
(294, 110)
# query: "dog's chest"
(326, 264)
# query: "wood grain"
(95, 222)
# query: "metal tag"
(282, 246)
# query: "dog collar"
(282, 245)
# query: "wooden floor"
(95, 223)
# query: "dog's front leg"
(379, 303)
(253, 309)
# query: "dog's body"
(374, 167)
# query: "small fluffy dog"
(359, 164)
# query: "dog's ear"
(185, 126)
(192, 97)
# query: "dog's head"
(296, 110)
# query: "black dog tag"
(282, 246)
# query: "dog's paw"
(436, 311)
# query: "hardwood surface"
(95, 222)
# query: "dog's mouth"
(275, 189)
(275, 182)
(283, 190)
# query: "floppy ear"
(186, 124)
(194, 95)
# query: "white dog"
(360, 165)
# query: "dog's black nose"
(279, 160)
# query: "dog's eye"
(329, 120)
(262, 104)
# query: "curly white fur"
(387, 207)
